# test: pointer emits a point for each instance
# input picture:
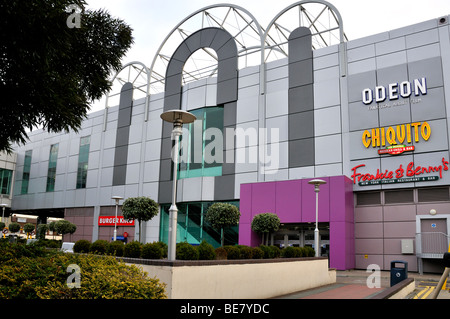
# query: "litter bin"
(398, 274)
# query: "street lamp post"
(3, 206)
(178, 118)
(317, 183)
(117, 199)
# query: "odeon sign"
(394, 91)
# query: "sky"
(152, 20)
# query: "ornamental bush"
(32, 272)
(132, 249)
(257, 253)
(270, 252)
(221, 253)
(99, 247)
(82, 246)
(115, 248)
(185, 251)
(245, 252)
(291, 252)
(152, 251)
(206, 251)
(233, 252)
(14, 227)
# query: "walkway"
(352, 285)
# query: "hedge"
(33, 272)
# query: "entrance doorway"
(302, 235)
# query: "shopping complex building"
(276, 106)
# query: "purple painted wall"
(294, 201)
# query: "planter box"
(238, 279)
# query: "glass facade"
(26, 172)
(83, 159)
(201, 158)
(5, 181)
(51, 173)
(192, 226)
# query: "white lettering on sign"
(394, 91)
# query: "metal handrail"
(432, 244)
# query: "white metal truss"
(256, 46)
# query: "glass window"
(399, 196)
(201, 154)
(368, 198)
(83, 159)
(193, 228)
(435, 194)
(5, 181)
(51, 174)
(26, 172)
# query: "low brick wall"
(238, 279)
(398, 291)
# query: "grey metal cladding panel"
(165, 192)
(394, 74)
(193, 42)
(227, 91)
(120, 156)
(207, 36)
(166, 129)
(301, 153)
(227, 69)
(126, 95)
(361, 117)
(122, 136)
(166, 148)
(358, 82)
(173, 84)
(431, 69)
(228, 168)
(301, 73)
(224, 187)
(431, 106)
(182, 53)
(229, 114)
(119, 175)
(124, 117)
(221, 37)
(301, 125)
(300, 45)
(301, 99)
(172, 102)
(165, 170)
(228, 50)
(174, 68)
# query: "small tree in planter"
(28, 228)
(14, 228)
(41, 229)
(64, 227)
(265, 223)
(221, 215)
(141, 208)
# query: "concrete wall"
(241, 280)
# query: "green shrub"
(270, 252)
(49, 243)
(14, 227)
(152, 251)
(115, 248)
(82, 246)
(41, 230)
(221, 253)
(164, 248)
(245, 252)
(32, 272)
(99, 247)
(257, 253)
(185, 251)
(309, 251)
(291, 252)
(132, 249)
(233, 252)
(206, 251)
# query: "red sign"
(396, 150)
(110, 221)
(410, 173)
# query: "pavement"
(352, 284)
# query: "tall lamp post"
(317, 183)
(117, 199)
(3, 206)
(178, 118)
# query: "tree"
(64, 227)
(50, 69)
(14, 227)
(41, 229)
(141, 209)
(222, 215)
(28, 228)
(265, 223)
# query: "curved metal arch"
(147, 92)
(258, 31)
(300, 4)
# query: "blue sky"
(152, 20)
